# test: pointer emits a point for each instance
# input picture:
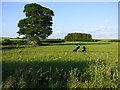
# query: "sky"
(100, 19)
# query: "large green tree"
(37, 24)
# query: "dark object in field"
(84, 49)
(75, 50)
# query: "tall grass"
(59, 67)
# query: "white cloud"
(102, 26)
(30, 1)
(57, 34)
(103, 31)
(100, 31)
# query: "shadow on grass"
(42, 74)
(7, 47)
(9, 68)
(85, 43)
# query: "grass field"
(57, 66)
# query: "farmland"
(56, 66)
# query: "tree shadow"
(43, 72)
(9, 68)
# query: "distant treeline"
(14, 42)
(53, 40)
(20, 41)
(8, 41)
(115, 40)
(78, 37)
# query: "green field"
(56, 66)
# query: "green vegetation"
(57, 66)
(114, 40)
(78, 37)
(37, 24)
(37, 62)
(14, 42)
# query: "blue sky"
(96, 18)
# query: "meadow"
(57, 66)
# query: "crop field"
(57, 66)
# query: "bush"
(98, 75)
(6, 42)
(53, 40)
(14, 42)
(33, 43)
(117, 40)
(19, 42)
(78, 37)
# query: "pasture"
(57, 66)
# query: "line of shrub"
(53, 40)
(117, 40)
(25, 42)
(13, 42)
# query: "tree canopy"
(37, 24)
(78, 37)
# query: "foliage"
(6, 42)
(115, 40)
(53, 40)
(37, 24)
(78, 37)
(97, 75)
(82, 43)
(33, 43)
(59, 67)
(14, 42)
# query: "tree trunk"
(35, 38)
(38, 41)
